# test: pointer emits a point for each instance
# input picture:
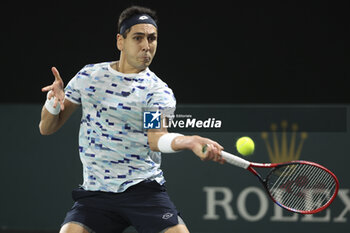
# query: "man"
(123, 182)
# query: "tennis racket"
(298, 186)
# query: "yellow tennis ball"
(245, 146)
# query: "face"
(139, 46)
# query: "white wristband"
(49, 105)
(164, 142)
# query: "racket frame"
(237, 161)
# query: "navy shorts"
(146, 206)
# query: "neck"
(124, 67)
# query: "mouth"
(146, 58)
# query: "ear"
(120, 42)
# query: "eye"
(138, 38)
(152, 38)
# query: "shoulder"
(156, 82)
(159, 93)
(90, 69)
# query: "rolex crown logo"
(280, 150)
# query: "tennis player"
(123, 183)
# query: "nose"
(145, 45)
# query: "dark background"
(208, 51)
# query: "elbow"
(43, 130)
(44, 133)
(153, 144)
(153, 147)
(153, 141)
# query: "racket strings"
(316, 193)
(301, 186)
(285, 185)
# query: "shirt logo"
(167, 216)
(152, 120)
(143, 17)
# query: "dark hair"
(135, 10)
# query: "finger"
(51, 95)
(217, 156)
(217, 145)
(219, 159)
(220, 146)
(62, 105)
(47, 88)
(222, 161)
(216, 148)
(55, 102)
(211, 153)
(56, 74)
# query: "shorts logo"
(167, 215)
(152, 120)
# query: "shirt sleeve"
(72, 90)
(161, 97)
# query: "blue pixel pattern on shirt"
(113, 145)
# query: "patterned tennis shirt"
(113, 145)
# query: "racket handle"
(235, 160)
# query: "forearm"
(196, 144)
(171, 142)
(184, 142)
(49, 123)
(178, 143)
